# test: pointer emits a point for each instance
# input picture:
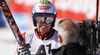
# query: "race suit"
(41, 46)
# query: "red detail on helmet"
(43, 7)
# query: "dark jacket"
(70, 49)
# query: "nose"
(44, 23)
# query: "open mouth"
(44, 27)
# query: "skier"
(44, 37)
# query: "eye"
(42, 19)
(48, 21)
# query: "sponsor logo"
(43, 7)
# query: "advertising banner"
(71, 9)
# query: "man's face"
(43, 28)
(44, 23)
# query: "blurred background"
(22, 12)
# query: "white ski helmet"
(44, 7)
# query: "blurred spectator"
(68, 31)
(2, 22)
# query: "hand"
(23, 50)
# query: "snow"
(7, 42)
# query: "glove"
(23, 50)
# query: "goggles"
(44, 19)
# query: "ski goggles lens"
(44, 19)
